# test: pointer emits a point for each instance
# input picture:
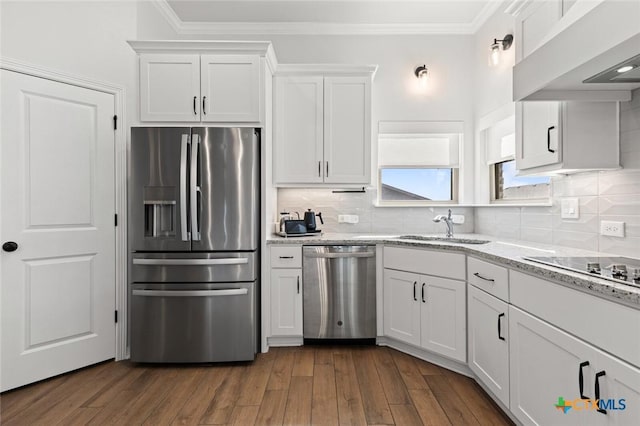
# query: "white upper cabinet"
(230, 88)
(534, 24)
(299, 129)
(322, 125)
(567, 137)
(347, 129)
(204, 81)
(537, 139)
(169, 87)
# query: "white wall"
(85, 39)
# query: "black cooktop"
(624, 270)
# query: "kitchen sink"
(443, 239)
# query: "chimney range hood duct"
(614, 75)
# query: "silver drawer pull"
(191, 293)
(340, 255)
(483, 278)
(192, 262)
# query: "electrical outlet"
(612, 228)
(458, 219)
(348, 218)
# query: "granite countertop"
(509, 253)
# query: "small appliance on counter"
(291, 227)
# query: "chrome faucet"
(448, 220)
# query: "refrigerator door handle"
(183, 188)
(195, 188)
(191, 293)
(192, 262)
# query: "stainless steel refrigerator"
(194, 197)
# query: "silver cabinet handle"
(195, 189)
(192, 262)
(183, 188)
(476, 274)
(191, 293)
(340, 255)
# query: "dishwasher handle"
(191, 293)
(341, 255)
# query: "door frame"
(121, 149)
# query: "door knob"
(10, 246)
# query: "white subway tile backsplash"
(581, 240)
(537, 235)
(575, 185)
(533, 220)
(629, 246)
(620, 205)
(619, 182)
(586, 223)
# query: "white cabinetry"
(425, 310)
(547, 363)
(286, 291)
(488, 341)
(567, 136)
(203, 81)
(560, 137)
(322, 126)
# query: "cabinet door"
(298, 129)
(286, 302)
(488, 341)
(347, 129)
(538, 134)
(170, 88)
(620, 381)
(230, 88)
(401, 307)
(545, 363)
(534, 24)
(443, 316)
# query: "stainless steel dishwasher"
(339, 292)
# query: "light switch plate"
(348, 218)
(570, 208)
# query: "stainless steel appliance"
(623, 270)
(194, 234)
(339, 292)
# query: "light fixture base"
(420, 71)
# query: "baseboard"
(285, 341)
(441, 361)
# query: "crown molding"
(328, 69)
(321, 28)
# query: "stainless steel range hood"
(624, 72)
(580, 60)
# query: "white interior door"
(57, 204)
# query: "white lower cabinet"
(488, 341)
(550, 367)
(426, 311)
(286, 302)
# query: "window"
(507, 186)
(417, 184)
(418, 162)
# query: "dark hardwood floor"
(293, 386)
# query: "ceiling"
(328, 16)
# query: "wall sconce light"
(422, 73)
(494, 51)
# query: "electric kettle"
(310, 220)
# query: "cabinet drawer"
(286, 257)
(448, 265)
(491, 278)
(605, 324)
